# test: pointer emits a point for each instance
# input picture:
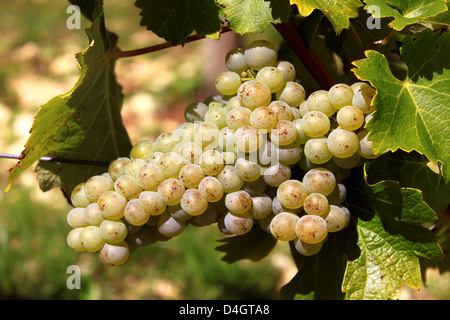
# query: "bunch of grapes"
(260, 154)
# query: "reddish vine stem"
(158, 47)
(309, 58)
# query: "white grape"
(238, 202)
(238, 224)
(154, 204)
(315, 124)
(228, 82)
(132, 168)
(282, 110)
(195, 111)
(117, 167)
(235, 60)
(272, 77)
(261, 206)
(112, 205)
(260, 53)
(238, 117)
(247, 170)
(229, 179)
(284, 133)
(78, 197)
(363, 99)
(253, 94)
(171, 191)
(248, 139)
(149, 177)
(340, 95)
(128, 187)
(319, 180)
(73, 239)
(287, 69)
(95, 186)
(350, 118)
(311, 229)
(276, 174)
(190, 152)
(338, 195)
(93, 215)
(114, 254)
(290, 156)
(142, 150)
(263, 118)
(283, 225)
(217, 115)
(337, 219)
(277, 207)
(206, 134)
(292, 194)
(91, 239)
(316, 150)
(319, 101)
(166, 142)
(169, 226)
(191, 175)
(171, 164)
(193, 202)
(113, 231)
(76, 218)
(135, 213)
(365, 148)
(342, 143)
(292, 93)
(226, 139)
(211, 162)
(211, 189)
(316, 204)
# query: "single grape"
(337, 219)
(338, 195)
(128, 187)
(319, 101)
(315, 124)
(193, 202)
(206, 134)
(259, 54)
(238, 202)
(277, 207)
(171, 164)
(171, 191)
(211, 189)
(283, 225)
(272, 77)
(350, 118)
(114, 254)
(78, 197)
(307, 249)
(142, 150)
(169, 226)
(316, 204)
(176, 212)
(217, 115)
(247, 170)
(319, 180)
(365, 148)
(226, 139)
(238, 117)
(261, 206)
(235, 60)
(276, 174)
(149, 177)
(195, 111)
(238, 224)
(303, 108)
(113, 231)
(93, 215)
(287, 69)
(228, 82)
(263, 118)
(292, 194)
(342, 143)
(155, 157)
(95, 186)
(302, 137)
(316, 150)
(206, 218)
(190, 152)
(282, 110)
(340, 95)
(292, 93)
(296, 113)
(166, 142)
(132, 168)
(362, 99)
(248, 139)
(117, 167)
(91, 239)
(191, 175)
(229, 179)
(211, 162)
(289, 156)
(112, 205)
(76, 218)
(184, 132)
(135, 213)
(311, 229)
(233, 103)
(73, 240)
(253, 94)
(284, 133)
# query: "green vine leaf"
(175, 20)
(247, 16)
(338, 12)
(83, 124)
(414, 114)
(407, 12)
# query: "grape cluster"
(259, 154)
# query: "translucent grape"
(166, 142)
(142, 150)
(114, 254)
(311, 229)
(155, 157)
(193, 202)
(282, 110)
(263, 118)
(206, 134)
(93, 215)
(248, 139)
(76, 218)
(296, 113)
(316, 150)
(211, 162)
(342, 143)
(149, 177)
(112, 205)
(238, 224)
(228, 82)
(319, 101)
(316, 204)
(233, 103)
(185, 132)
(195, 111)
(238, 202)
(319, 180)
(190, 152)
(78, 197)
(211, 189)
(132, 168)
(302, 137)
(113, 231)
(340, 95)
(171, 191)
(277, 207)
(365, 148)
(287, 69)
(292, 194)
(362, 99)
(135, 213)
(272, 77)
(217, 115)
(154, 204)
(350, 118)
(128, 187)
(315, 124)
(117, 167)
(73, 239)
(235, 60)
(169, 226)
(290, 156)
(95, 186)
(238, 117)
(171, 164)
(284, 133)
(276, 174)
(253, 94)
(247, 170)
(261, 206)
(191, 175)
(292, 93)
(337, 219)
(303, 108)
(229, 179)
(283, 225)
(338, 195)
(307, 249)
(91, 239)
(259, 54)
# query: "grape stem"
(157, 47)
(61, 160)
(298, 44)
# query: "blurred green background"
(37, 62)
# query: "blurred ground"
(37, 62)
